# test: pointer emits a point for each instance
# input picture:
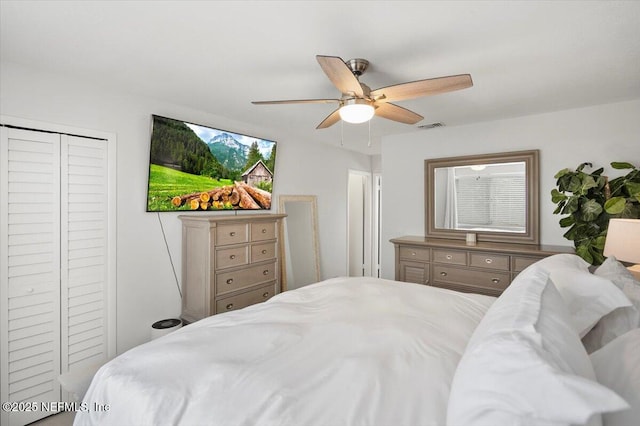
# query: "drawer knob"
(413, 253)
(264, 230)
(230, 306)
(489, 261)
(265, 294)
(232, 234)
(233, 256)
(264, 252)
(265, 272)
(230, 281)
(449, 257)
(444, 274)
(30, 290)
(495, 280)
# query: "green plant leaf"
(582, 166)
(574, 183)
(599, 242)
(560, 207)
(598, 258)
(590, 210)
(567, 221)
(572, 205)
(615, 205)
(583, 251)
(557, 196)
(631, 211)
(571, 233)
(622, 165)
(634, 189)
(562, 173)
(588, 182)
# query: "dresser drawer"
(414, 272)
(470, 277)
(242, 278)
(264, 251)
(452, 257)
(261, 231)
(414, 253)
(233, 256)
(489, 261)
(233, 233)
(243, 300)
(520, 263)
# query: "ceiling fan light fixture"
(356, 111)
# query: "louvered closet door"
(84, 221)
(30, 269)
(53, 264)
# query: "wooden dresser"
(485, 268)
(228, 262)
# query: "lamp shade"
(356, 111)
(623, 240)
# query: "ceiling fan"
(359, 103)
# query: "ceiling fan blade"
(340, 75)
(297, 101)
(397, 113)
(416, 89)
(331, 119)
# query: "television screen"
(194, 167)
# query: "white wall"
(146, 288)
(599, 134)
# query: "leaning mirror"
(494, 196)
(300, 257)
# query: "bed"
(365, 351)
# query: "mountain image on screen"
(231, 153)
(195, 167)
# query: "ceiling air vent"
(431, 125)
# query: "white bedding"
(346, 351)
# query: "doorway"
(363, 224)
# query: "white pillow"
(525, 364)
(588, 297)
(620, 320)
(518, 307)
(617, 366)
(612, 325)
(563, 260)
(619, 275)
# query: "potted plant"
(589, 200)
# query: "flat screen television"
(199, 168)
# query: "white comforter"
(346, 351)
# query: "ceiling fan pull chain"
(369, 142)
(341, 133)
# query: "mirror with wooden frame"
(494, 196)
(299, 234)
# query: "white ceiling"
(525, 57)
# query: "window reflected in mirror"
(481, 197)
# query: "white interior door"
(377, 225)
(29, 270)
(359, 224)
(85, 243)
